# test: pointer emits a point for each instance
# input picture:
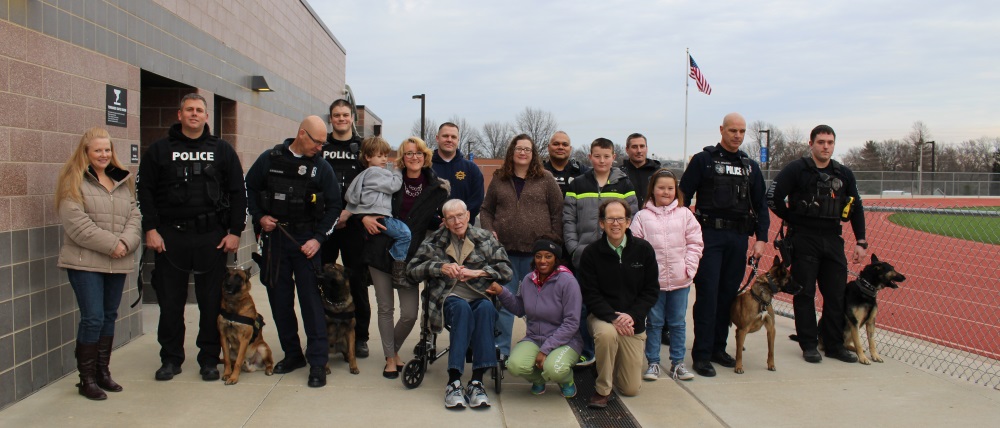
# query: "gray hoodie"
(371, 191)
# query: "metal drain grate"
(616, 415)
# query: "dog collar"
(867, 288)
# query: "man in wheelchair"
(457, 264)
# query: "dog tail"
(794, 337)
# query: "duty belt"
(201, 223)
(721, 223)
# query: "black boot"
(103, 359)
(399, 273)
(86, 362)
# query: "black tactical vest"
(344, 161)
(292, 195)
(191, 177)
(725, 185)
(822, 195)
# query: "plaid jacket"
(480, 251)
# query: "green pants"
(558, 365)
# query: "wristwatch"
(863, 244)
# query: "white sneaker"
(652, 373)
(453, 395)
(678, 371)
(475, 395)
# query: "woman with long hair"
(522, 205)
(95, 199)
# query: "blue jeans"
(670, 307)
(400, 234)
(98, 295)
(588, 350)
(522, 267)
(471, 324)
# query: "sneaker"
(652, 372)
(538, 388)
(568, 389)
(475, 395)
(586, 361)
(453, 396)
(678, 371)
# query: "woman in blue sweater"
(549, 299)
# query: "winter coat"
(465, 178)
(611, 284)
(479, 251)
(675, 235)
(551, 310)
(94, 228)
(519, 222)
(640, 177)
(584, 196)
(371, 191)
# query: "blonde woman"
(95, 199)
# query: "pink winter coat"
(675, 235)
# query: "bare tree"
(581, 154)
(539, 125)
(430, 128)
(495, 138)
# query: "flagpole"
(687, 82)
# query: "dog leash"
(752, 262)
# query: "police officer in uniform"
(562, 166)
(341, 152)
(731, 206)
(821, 193)
(193, 205)
(294, 199)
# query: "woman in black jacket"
(418, 203)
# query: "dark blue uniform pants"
(723, 264)
(819, 258)
(291, 271)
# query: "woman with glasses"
(675, 235)
(418, 204)
(522, 205)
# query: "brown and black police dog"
(241, 329)
(338, 306)
(752, 310)
(861, 306)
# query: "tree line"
(491, 139)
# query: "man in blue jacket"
(464, 175)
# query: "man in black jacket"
(637, 166)
(193, 205)
(619, 279)
(561, 164)
(821, 194)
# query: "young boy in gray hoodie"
(371, 194)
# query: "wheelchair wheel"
(497, 375)
(413, 373)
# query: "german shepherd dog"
(752, 309)
(338, 306)
(241, 329)
(861, 305)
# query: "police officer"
(341, 152)
(562, 166)
(193, 205)
(821, 193)
(294, 198)
(731, 206)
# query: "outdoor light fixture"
(258, 84)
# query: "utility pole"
(423, 123)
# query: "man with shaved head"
(729, 192)
(294, 200)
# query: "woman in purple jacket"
(549, 299)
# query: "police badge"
(303, 170)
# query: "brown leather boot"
(103, 360)
(86, 362)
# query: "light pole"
(423, 99)
(767, 165)
(933, 152)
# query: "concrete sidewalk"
(797, 394)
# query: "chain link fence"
(946, 316)
(912, 183)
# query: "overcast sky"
(609, 68)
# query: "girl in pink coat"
(676, 237)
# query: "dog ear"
(874, 258)
(777, 260)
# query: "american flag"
(699, 78)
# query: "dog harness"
(257, 324)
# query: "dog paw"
(232, 381)
(355, 370)
(772, 368)
(864, 361)
(328, 370)
(269, 372)
(738, 370)
(877, 359)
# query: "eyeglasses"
(522, 149)
(616, 220)
(452, 219)
(314, 140)
(412, 155)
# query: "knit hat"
(547, 245)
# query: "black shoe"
(361, 349)
(167, 371)
(723, 359)
(289, 365)
(209, 373)
(390, 375)
(317, 377)
(704, 368)
(843, 355)
(812, 356)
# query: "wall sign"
(117, 110)
(135, 153)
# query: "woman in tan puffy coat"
(95, 198)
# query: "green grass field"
(979, 229)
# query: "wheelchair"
(426, 353)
